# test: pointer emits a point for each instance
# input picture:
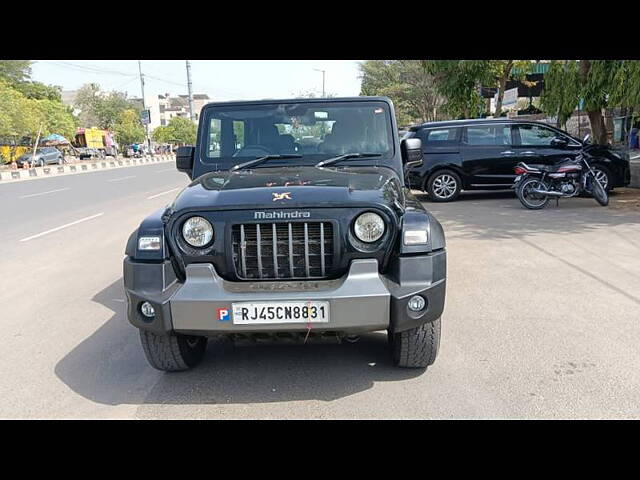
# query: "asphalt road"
(541, 319)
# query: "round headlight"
(197, 231)
(369, 227)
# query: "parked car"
(325, 242)
(482, 154)
(44, 156)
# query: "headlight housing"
(369, 227)
(197, 232)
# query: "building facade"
(163, 108)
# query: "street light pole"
(323, 73)
(144, 107)
(190, 92)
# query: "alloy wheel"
(444, 186)
(602, 178)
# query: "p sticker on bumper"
(224, 314)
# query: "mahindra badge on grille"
(281, 196)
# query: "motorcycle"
(535, 185)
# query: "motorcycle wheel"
(600, 193)
(529, 199)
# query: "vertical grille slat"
(322, 249)
(259, 249)
(291, 250)
(306, 250)
(243, 250)
(291, 269)
(274, 239)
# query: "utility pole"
(323, 73)
(191, 116)
(144, 107)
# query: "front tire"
(444, 186)
(172, 352)
(416, 347)
(603, 176)
(600, 194)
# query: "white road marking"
(122, 178)
(61, 227)
(45, 193)
(167, 170)
(163, 193)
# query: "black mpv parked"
(481, 155)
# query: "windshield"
(314, 130)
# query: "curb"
(7, 176)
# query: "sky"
(220, 79)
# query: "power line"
(100, 69)
(91, 69)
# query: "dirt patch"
(625, 199)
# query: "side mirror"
(411, 150)
(586, 139)
(559, 142)
(184, 160)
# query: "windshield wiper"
(346, 156)
(257, 161)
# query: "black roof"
(473, 121)
(299, 100)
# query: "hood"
(293, 187)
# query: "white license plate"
(280, 312)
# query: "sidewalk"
(20, 174)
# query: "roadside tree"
(591, 85)
(182, 130)
(101, 109)
(408, 83)
(128, 129)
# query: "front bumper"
(360, 301)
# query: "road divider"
(61, 227)
(21, 174)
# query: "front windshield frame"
(382, 129)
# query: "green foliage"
(597, 84)
(56, 118)
(15, 71)
(22, 116)
(625, 84)
(561, 93)
(40, 91)
(17, 74)
(181, 130)
(101, 109)
(128, 128)
(409, 85)
(459, 82)
(161, 134)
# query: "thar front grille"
(283, 250)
